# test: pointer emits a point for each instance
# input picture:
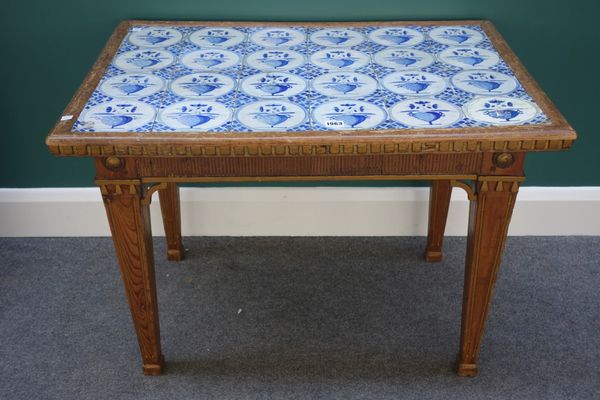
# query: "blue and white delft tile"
(339, 59)
(202, 85)
(174, 71)
(111, 71)
(403, 58)
(348, 114)
(540, 118)
(442, 69)
(285, 70)
(486, 44)
(377, 98)
(97, 97)
(155, 37)
(132, 86)
(278, 37)
(500, 110)
(425, 113)
(455, 96)
(469, 57)
(251, 47)
(393, 36)
(156, 100)
(364, 47)
(117, 116)
(336, 37)
(211, 60)
(303, 99)
(521, 94)
(197, 91)
(275, 60)
(273, 85)
(456, 35)
(271, 115)
(143, 60)
(217, 37)
(414, 83)
(503, 68)
(125, 47)
(195, 115)
(431, 47)
(181, 48)
(344, 84)
(484, 82)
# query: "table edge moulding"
(486, 161)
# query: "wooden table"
(174, 102)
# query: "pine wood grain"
(171, 216)
(489, 217)
(129, 222)
(439, 203)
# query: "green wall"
(48, 46)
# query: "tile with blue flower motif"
(203, 78)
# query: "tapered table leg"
(171, 215)
(129, 221)
(439, 202)
(489, 217)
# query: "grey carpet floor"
(299, 318)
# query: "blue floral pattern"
(240, 79)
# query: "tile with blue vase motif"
(240, 79)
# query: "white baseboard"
(315, 211)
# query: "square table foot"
(175, 254)
(466, 370)
(155, 369)
(433, 256)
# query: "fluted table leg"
(489, 217)
(129, 220)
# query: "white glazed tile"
(194, 115)
(268, 115)
(455, 35)
(278, 37)
(469, 57)
(393, 36)
(500, 110)
(154, 36)
(143, 60)
(275, 60)
(117, 116)
(414, 83)
(484, 82)
(344, 84)
(336, 37)
(348, 114)
(273, 85)
(202, 85)
(217, 37)
(403, 58)
(339, 59)
(132, 86)
(425, 113)
(210, 59)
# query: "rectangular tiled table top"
(291, 79)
